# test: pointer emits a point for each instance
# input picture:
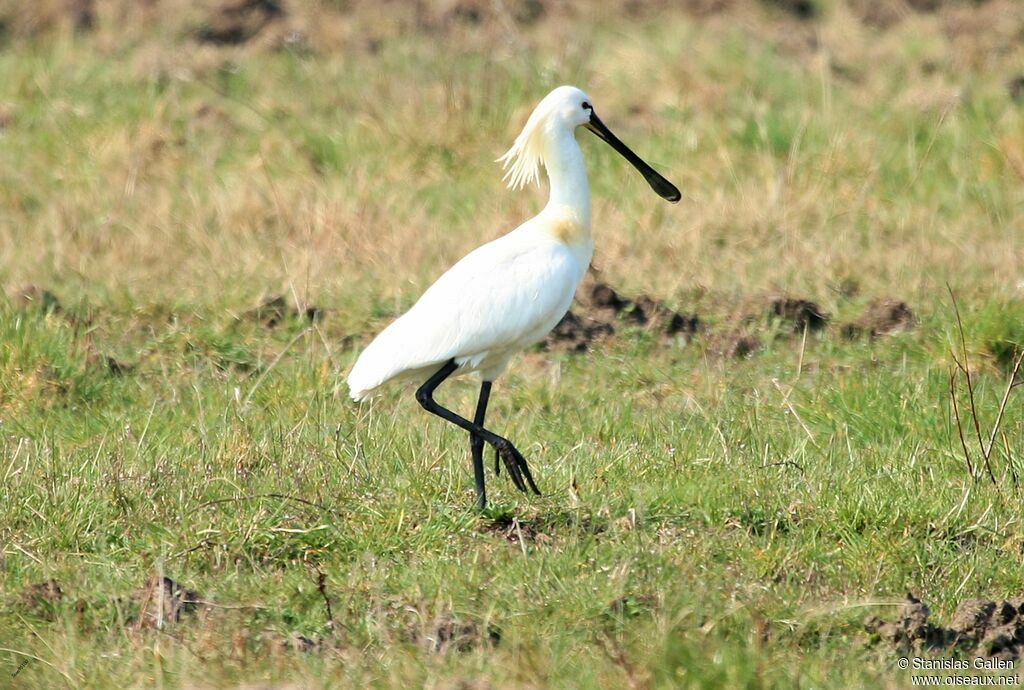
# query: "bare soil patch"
(111, 365)
(630, 605)
(41, 598)
(1005, 351)
(34, 297)
(979, 626)
(799, 314)
(274, 310)
(543, 528)
(162, 601)
(885, 316)
(522, 12)
(577, 334)
(514, 531)
(449, 632)
(295, 642)
(879, 14)
(82, 13)
(1015, 89)
(239, 21)
(117, 367)
(802, 9)
(735, 345)
(601, 311)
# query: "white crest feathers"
(522, 162)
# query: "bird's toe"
(510, 457)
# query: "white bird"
(509, 293)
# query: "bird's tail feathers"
(389, 357)
(367, 375)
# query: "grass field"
(708, 520)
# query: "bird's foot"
(516, 465)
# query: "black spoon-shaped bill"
(665, 189)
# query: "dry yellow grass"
(152, 186)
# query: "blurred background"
(207, 152)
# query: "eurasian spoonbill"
(509, 293)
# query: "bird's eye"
(587, 106)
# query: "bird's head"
(563, 110)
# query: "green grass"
(706, 521)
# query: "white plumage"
(499, 299)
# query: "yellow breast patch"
(567, 229)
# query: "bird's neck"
(567, 215)
(568, 177)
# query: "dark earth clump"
(82, 14)
(442, 16)
(881, 317)
(8, 118)
(513, 530)
(632, 605)
(1015, 87)
(880, 14)
(802, 9)
(527, 11)
(164, 601)
(239, 21)
(544, 529)
(800, 313)
(450, 633)
(601, 310)
(910, 629)
(117, 367)
(275, 310)
(926, 5)
(651, 314)
(605, 304)
(295, 642)
(979, 626)
(42, 597)
(445, 631)
(1005, 351)
(111, 365)
(35, 297)
(736, 345)
(573, 334)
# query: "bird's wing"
(492, 299)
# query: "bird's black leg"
(514, 461)
(476, 444)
